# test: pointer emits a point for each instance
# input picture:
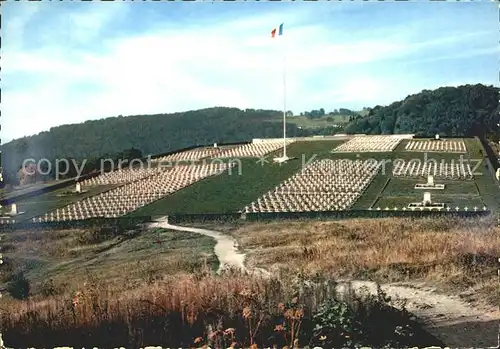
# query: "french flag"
(280, 31)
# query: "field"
(204, 188)
(456, 256)
(118, 286)
(230, 193)
(56, 261)
(304, 122)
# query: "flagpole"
(284, 98)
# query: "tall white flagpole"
(284, 95)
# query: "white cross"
(466, 208)
(456, 208)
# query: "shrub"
(48, 288)
(335, 325)
(19, 286)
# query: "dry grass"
(66, 257)
(456, 254)
(115, 300)
(191, 310)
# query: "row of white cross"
(457, 170)
(370, 144)
(127, 198)
(253, 149)
(189, 155)
(441, 146)
(423, 208)
(323, 185)
(121, 176)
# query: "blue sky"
(67, 62)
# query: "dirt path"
(449, 318)
(226, 248)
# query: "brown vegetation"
(202, 308)
(455, 254)
(192, 308)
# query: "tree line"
(468, 110)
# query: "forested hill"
(151, 134)
(469, 110)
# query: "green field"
(304, 122)
(400, 192)
(230, 193)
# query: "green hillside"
(469, 110)
(151, 134)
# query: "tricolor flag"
(280, 31)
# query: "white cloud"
(170, 69)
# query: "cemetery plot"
(430, 184)
(252, 178)
(462, 202)
(370, 144)
(129, 197)
(323, 185)
(437, 145)
(400, 192)
(255, 149)
(450, 170)
(406, 187)
(121, 176)
(189, 155)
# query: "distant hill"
(148, 134)
(469, 110)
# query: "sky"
(68, 62)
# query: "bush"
(97, 235)
(335, 325)
(48, 288)
(19, 286)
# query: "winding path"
(226, 248)
(455, 322)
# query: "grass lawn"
(401, 201)
(41, 204)
(231, 192)
(304, 122)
